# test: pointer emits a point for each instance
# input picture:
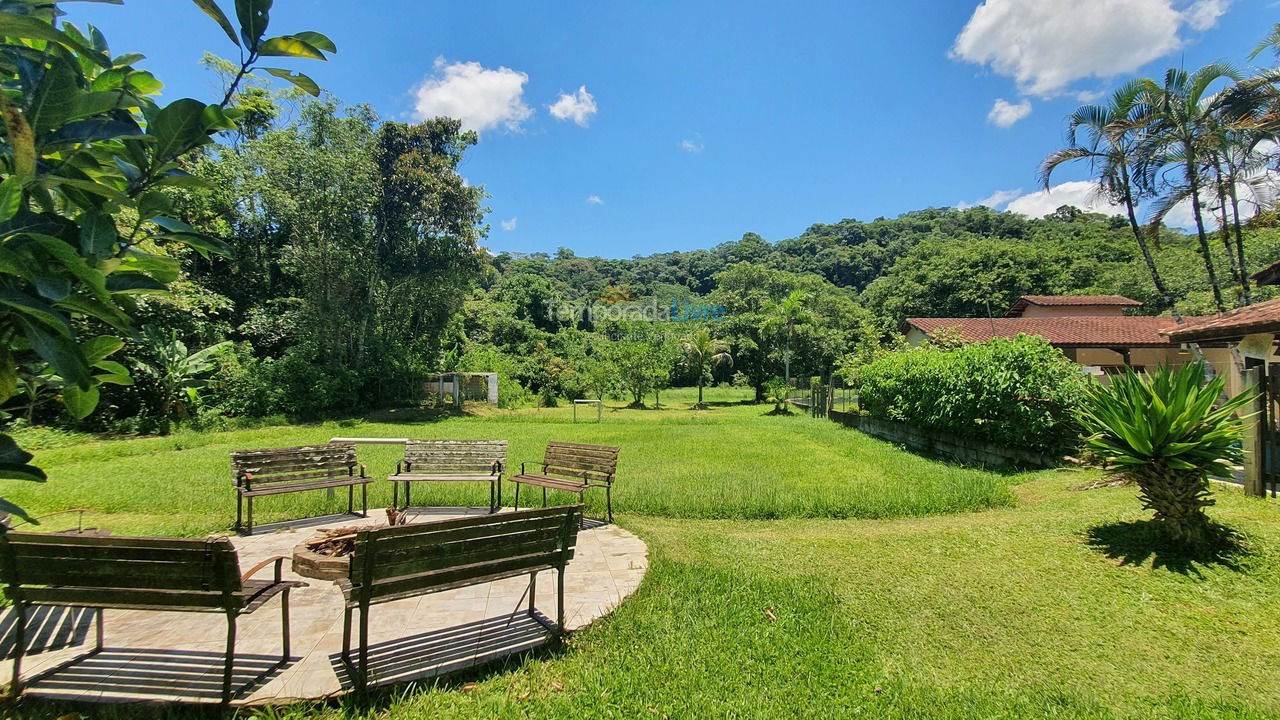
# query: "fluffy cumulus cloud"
(482, 98)
(508, 225)
(1045, 46)
(1080, 193)
(578, 107)
(1004, 113)
(594, 200)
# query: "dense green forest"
(358, 268)
(349, 264)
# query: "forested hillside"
(357, 267)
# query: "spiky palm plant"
(1168, 433)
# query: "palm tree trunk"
(1141, 239)
(1222, 227)
(1178, 498)
(1193, 182)
(1235, 215)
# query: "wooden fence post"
(1254, 446)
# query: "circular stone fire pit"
(308, 563)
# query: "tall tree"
(1178, 123)
(1110, 148)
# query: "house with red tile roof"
(1092, 330)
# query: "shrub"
(1022, 392)
(295, 384)
(1169, 434)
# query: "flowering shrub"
(1021, 392)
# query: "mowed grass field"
(863, 591)
(729, 461)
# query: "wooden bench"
(297, 469)
(572, 467)
(134, 574)
(409, 560)
(452, 461)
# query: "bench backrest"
(589, 463)
(410, 560)
(93, 571)
(308, 463)
(456, 456)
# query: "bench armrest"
(278, 560)
(352, 471)
(497, 468)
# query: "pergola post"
(1254, 447)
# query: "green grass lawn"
(730, 461)
(1038, 600)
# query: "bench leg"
(517, 503)
(407, 501)
(533, 590)
(19, 645)
(230, 659)
(560, 599)
(608, 499)
(284, 625)
(544, 497)
(499, 504)
(395, 494)
(493, 508)
(364, 499)
(364, 646)
(351, 499)
(249, 529)
(239, 511)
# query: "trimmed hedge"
(1023, 392)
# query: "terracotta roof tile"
(1073, 331)
(1259, 317)
(1080, 300)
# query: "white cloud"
(508, 225)
(1080, 193)
(594, 200)
(578, 107)
(1004, 113)
(691, 146)
(993, 201)
(1204, 14)
(481, 98)
(1045, 45)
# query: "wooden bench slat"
(442, 477)
(551, 483)
(392, 549)
(478, 551)
(279, 489)
(485, 523)
(474, 572)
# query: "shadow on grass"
(1141, 541)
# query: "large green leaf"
(297, 79)
(59, 351)
(93, 130)
(211, 9)
(177, 128)
(133, 283)
(80, 402)
(289, 46)
(317, 40)
(54, 98)
(253, 16)
(25, 26)
(35, 309)
(10, 197)
(99, 348)
(98, 234)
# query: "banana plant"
(178, 373)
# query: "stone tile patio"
(177, 657)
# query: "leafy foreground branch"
(88, 161)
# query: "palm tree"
(785, 315)
(1111, 151)
(702, 352)
(1168, 433)
(1178, 123)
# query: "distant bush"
(1022, 393)
(295, 384)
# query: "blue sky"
(703, 120)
